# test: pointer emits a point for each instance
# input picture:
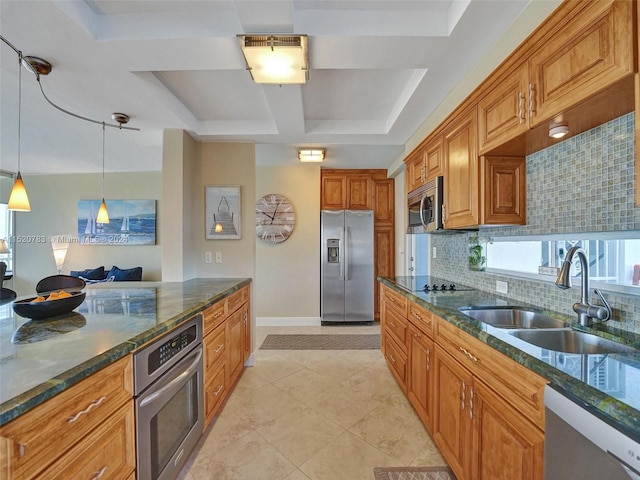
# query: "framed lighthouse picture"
(222, 212)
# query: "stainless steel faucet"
(585, 310)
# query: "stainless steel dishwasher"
(581, 445)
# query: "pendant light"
(103, 214)
(18, 200)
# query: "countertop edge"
(20, 404)
(622, 415)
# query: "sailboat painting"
(222, 212)
(132, 222)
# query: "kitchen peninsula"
(109, 324)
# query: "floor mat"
(322, 342)
(413, 473)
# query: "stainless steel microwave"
(425, 207)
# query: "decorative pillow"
(90, 273)
(125, 275)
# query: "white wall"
(400, 222)
(54, 211)
(225, 164)
(288, 274)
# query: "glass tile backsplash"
(583, 184)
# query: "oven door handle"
(169, 386)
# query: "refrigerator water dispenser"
(333, 250)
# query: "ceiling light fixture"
(103, 214)
(19, 200)
(558, 130)
(276, 58)
(311, 155)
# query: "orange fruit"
(38, 299)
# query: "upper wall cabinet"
(581, 57)
(425, 163)
(587, 51)
(334, 192)
(461, 179)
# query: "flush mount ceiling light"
(276, 58)
(558, 130)
(311, 155)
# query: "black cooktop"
(423, 283)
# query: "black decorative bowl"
(49, 308)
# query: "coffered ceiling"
(378, 69)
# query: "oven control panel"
(170, 348)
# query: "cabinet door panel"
(383, 246)
(235, 346)
(359, 192)
(434, 159)
(504, 190)
(451, 419)
(334, 192)
(383, 202)
(502, 113)
(590, 53)
(462, 178)
(420, 378)
(505, 445)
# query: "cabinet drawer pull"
(94, 404)
(428, 359)
(392, 324)
(416, 335)
(220, 347)
(471, 403)
(217, 315)
(417, 316)
(532, 92)
(463, 399)
(99, 473)
(392, 358)
(218, 390)
(22, 449)
(471, 356)
(520, 108)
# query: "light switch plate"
(208, 257)
(218, 257)
(433, 252)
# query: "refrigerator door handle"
(341, 255)
(345, 248)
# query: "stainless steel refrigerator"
(347, 266)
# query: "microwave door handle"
(422, 220)
(169, 386)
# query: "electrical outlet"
(552, 271)
(207, 257)
(502, 287)
(218, 257)
(433, 252)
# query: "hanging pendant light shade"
(19, 200)
(103, 214)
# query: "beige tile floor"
(312, 415)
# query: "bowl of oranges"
(50, 304)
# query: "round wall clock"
(275, 218)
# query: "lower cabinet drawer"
(214, 392)
(396, 326)
(108, 453)
(214, 349)
(397, 360)
(36, 439)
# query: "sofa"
(115, 274)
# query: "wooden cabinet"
(503, 191)
(461, 179)
(73, 432)
(227, 346)
(420, 375)
(451, 423)
(583, 55)
(333, 192)
(503, 112)
(366, 190)
(425, 163)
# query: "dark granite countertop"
(39, 359)
(607, 384)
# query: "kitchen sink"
(571, 341)
(512, 317)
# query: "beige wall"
(288, 274)
(224, 164)
(54, 211)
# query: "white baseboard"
(288, 321)
(251, 361)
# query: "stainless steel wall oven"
(168, 386)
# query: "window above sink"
(614, 258)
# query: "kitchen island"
(39, 359)
(615, 393)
